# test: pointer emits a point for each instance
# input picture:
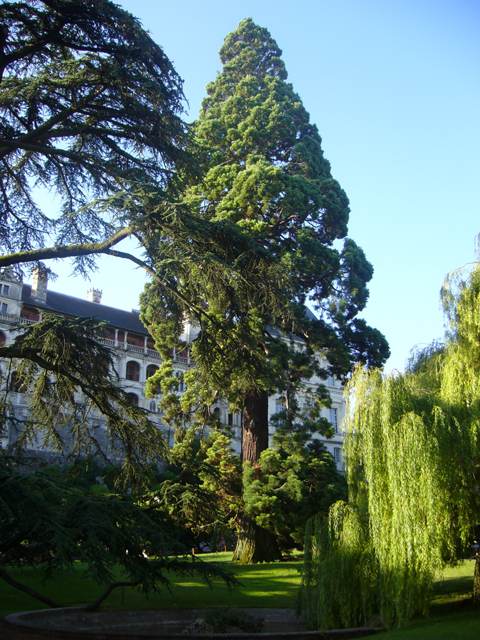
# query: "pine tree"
(267, 187)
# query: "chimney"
(39, 284)
(94, 295)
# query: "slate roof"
(128, 320)
(79, 308)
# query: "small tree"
(413, 456)
(291, 482)
(200, 490)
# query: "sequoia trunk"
(254, 543)
(254, 425)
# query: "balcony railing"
(151, 353)
(6, 317)
(133, 347)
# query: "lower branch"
(94, 605)
(30, 592)
(68, 251)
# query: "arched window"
(151, 370)
(133, 371)
(132, 398)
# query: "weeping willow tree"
(413, 455)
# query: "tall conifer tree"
(265, 183)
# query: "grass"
(265, 585)
(451, 615)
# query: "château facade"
(134, 356)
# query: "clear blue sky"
(394, 88)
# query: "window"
(337, 455)
(132, 398)
(133, 371)
(330, 381)
(30, 314)
(334, 419)
(279, 405)
(6, 289)
(3, 339)
(153, 406)
(4, 307)
(151, 370)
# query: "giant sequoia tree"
(413, 458)
(267, 189)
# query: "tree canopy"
(413, 457)
(90, 114)
(90, 110)
(52, 525)
(267, 191)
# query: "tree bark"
(254, 543)
(254, 425)
(28, 590)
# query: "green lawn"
(266, 585)
(451, 616)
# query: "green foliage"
(71, 379)
(200, 490)
(412, 449)
(90, 108)
(47, 523)
(340, 581)
(263, 174)
(291, 482)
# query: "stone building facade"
(134, 356)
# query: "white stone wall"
(125, 353)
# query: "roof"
(127, 320)
(79, 308)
